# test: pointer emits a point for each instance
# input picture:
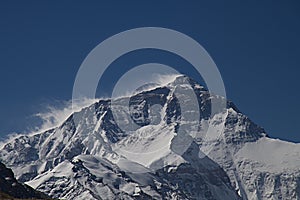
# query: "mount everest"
(90, 156)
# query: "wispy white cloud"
(56, 115)
(57, 112)
(8, 138)
(140, 76)
(52, 116)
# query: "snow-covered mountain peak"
(155, 143)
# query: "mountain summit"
(160, 144)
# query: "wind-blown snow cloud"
(54, 116)
(150, 73)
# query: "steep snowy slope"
(89, 156)
(100, 154)
(259, 167)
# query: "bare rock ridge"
(11, 188)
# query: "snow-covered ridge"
(91, 157)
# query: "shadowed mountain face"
(10, 187)
(105, 153)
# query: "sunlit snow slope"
(89, 156)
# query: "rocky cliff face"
(11, 188)
(92, 156)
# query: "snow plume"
(55, 115)
(8, 138)
(164, 79)
(134, 80)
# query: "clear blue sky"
(255, 44)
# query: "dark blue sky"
(255, 44)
